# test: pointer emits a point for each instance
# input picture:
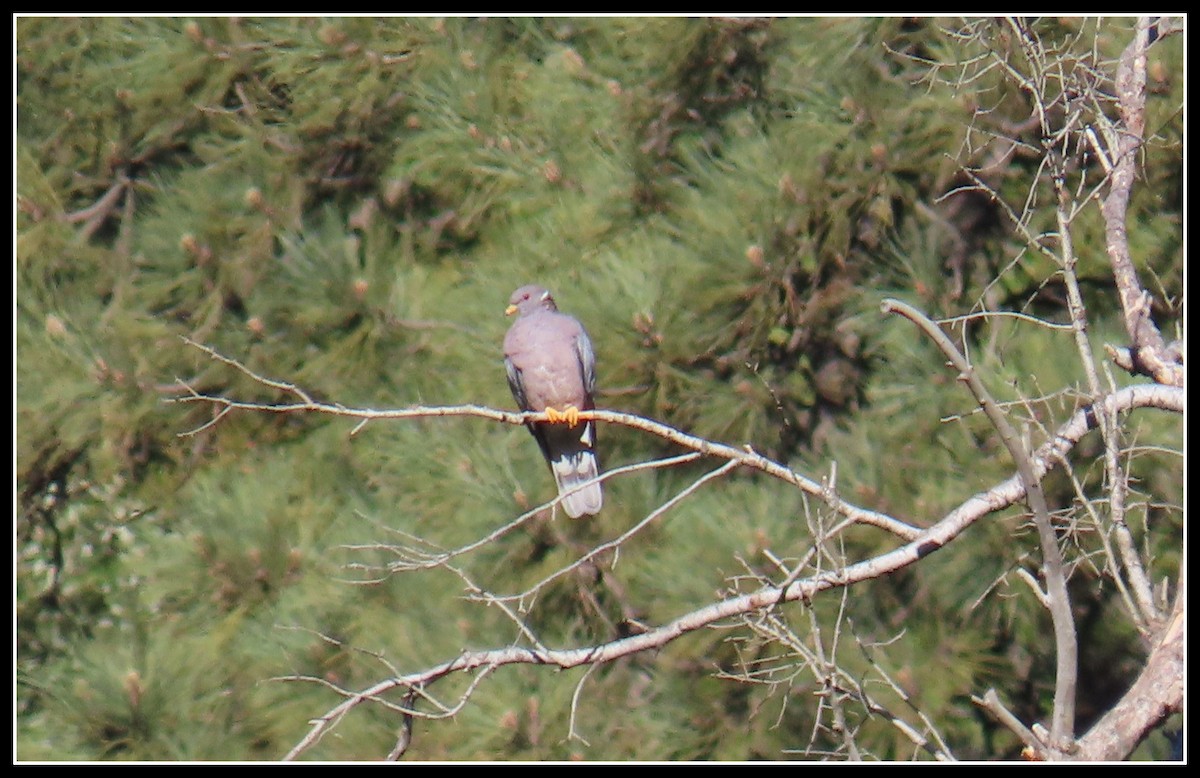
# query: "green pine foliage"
(346, 203)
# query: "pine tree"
(345, 204)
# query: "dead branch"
(1057, 599)
(1149, 352)
(1157, 693)
(942, 532)
(745, 457)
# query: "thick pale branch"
(1157, 693)
(1150, 354)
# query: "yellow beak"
(510, 310)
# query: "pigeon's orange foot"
(570, 415)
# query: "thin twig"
(616, 542)
(410, 558)
(991, 703)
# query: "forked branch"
(917, 543)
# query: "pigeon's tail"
(570, 471)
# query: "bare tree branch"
(1053, 570)
(615, 543)
(935, 537)
(1157, 693)
(746, 457)
(416, 554)
(1073, 117)
(920, 543)
(1148, 350)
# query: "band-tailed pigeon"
(551, 368)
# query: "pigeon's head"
(528, 299)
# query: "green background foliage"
(346, 204)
